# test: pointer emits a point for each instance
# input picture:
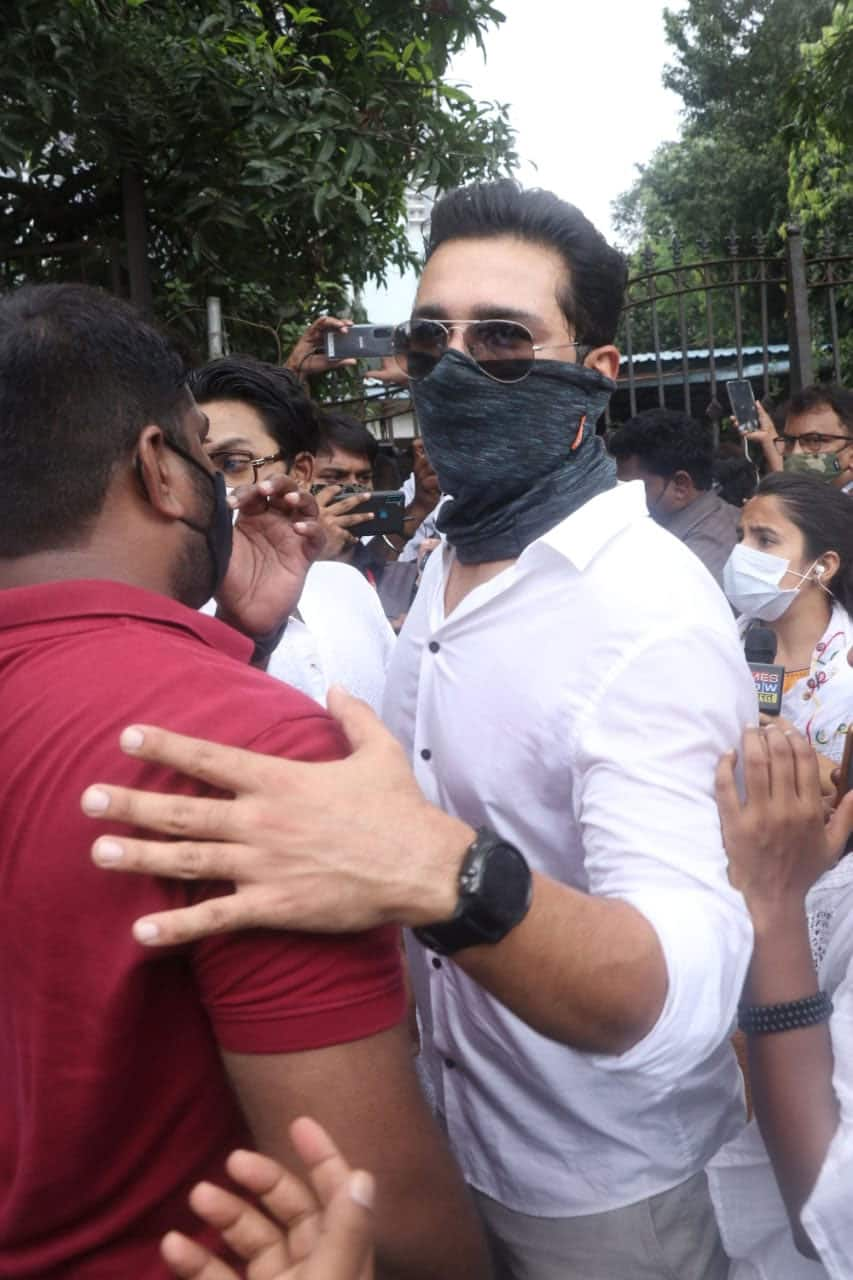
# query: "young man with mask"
(261, 424)
(673, 455)
(564, 686)
(818, 435)
(127, 1076)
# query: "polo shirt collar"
(51, 602)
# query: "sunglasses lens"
(502, 349)
(418, 346)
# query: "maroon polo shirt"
(113, 1097)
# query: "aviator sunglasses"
(503, 349)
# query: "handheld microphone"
(769, 677)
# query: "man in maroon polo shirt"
(127, 1074)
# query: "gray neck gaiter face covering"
(516, 458)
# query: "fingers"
(327, 1168)
(806, 771)
(227, 768)
(285, 495)
(244, 1228)
(756, 771)
(315, 537)
(359, 722)
(176, 815)
(191, 1261)
(180, 860)
(248, 909)
(763, 416)
(780, 765)
(728, 800)
(840, 826)
(292, 1203)
(344, 1249)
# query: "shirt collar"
(96, 598)
(586, 531)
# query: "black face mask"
(219, 532)
(515, 458)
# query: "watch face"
(504, 883)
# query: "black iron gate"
(687, 326)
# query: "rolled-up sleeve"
(644, 799)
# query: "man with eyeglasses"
(261, 424)
(817, 437)
(563, 688)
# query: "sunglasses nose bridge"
(457, 338)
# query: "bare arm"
(367, 1094)
(778, 846)
(586, 971)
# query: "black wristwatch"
(495, 887)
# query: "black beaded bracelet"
(761, 1019)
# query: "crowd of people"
(455, 855)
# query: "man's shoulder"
(185, 676)
(711, 513)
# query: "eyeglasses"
(239, 467)
(503, 349)
(812, 442)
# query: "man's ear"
(682, 488)
(302, 469)
(159, 472)
(605, 360)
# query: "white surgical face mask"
(751, 582)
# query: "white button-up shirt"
(578, 704)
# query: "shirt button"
(434, 646)
(449, 1063)
(426, 754)
(436, 963)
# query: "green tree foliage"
(751, 74)
(820, 191)
(820, 170)
(269, 144)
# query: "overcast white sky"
(583, 82)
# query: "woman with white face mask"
(793, 571)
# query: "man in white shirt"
(262, 423)
(564, 686)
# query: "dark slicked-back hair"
(591, 295)
(274, 393)
(665, 441)
(80, 375)
(821, 395)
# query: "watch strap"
(480, 918)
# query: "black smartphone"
(387, 506)
(742, 401)
(360, 341)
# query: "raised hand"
(316, 1230)
(277, 538)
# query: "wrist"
(781, 968)
(427, 890)
(774, 916)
